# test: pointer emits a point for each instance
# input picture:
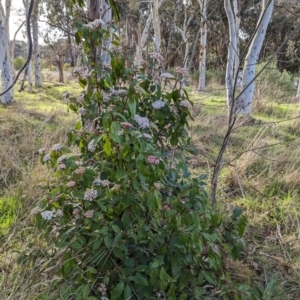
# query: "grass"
(264, 182)
(261, 175)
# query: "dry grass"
(261, 174)
(39, 121)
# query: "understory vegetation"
(260, 176)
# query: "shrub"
(19, 62)
(125, 212)
(273, 84)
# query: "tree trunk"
(144, 38)
(203, 42)
(194, 50)
(156, 25)
(5, 63)
(229, 80)
(298, 89)
(237, 16)
(93, 7)
(36, 53)
(176, 8)
(245, 100)
(106, 15)
(29, 71)
(60, 66)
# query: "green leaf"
(115, 228)
(126, 220)
(132, 107)
(164, 277)
(139, 279)
(92, 270)
(121, 173)
(118, 253)
(68, 264)
(241, 225)
(176, 266)
(210, 278)
(153, 275)
(82, 82)
(127, 292)
(107, 147)
(172, 292)
(236, 213)
(86, 291)
(117, 291)
(97, 244)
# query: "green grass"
(264, 183)
(10, 209)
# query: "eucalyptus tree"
(58, 15)
(28, 71)
(153, 18)
(244, 102)
(203, 44)
(5, 59)
(184, 32)
(36, 46)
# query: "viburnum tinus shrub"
(124, 210)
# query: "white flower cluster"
(42, 151)
(90, 195)
(56, 147)
(91, 146)
(186, 104)
(47, 214)
(50, 214)
(147, 136)
(61, 158)
(95, 24)
(61, 166)
(143, 122)
(46, 157)
(105, 183)
(97, 181)
(182, 71)
(158, 104)
(82, 111)
(157, 56)
(117, 92)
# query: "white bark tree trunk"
(106, 15)
(156, 25)
(203, 42)
(237, 16)
(298, 89)
(36, 46)
(244, 104)
(144, 37)
(5, 60)
(229, 80)
(142, 41)
(183, 32)
(29, 72)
